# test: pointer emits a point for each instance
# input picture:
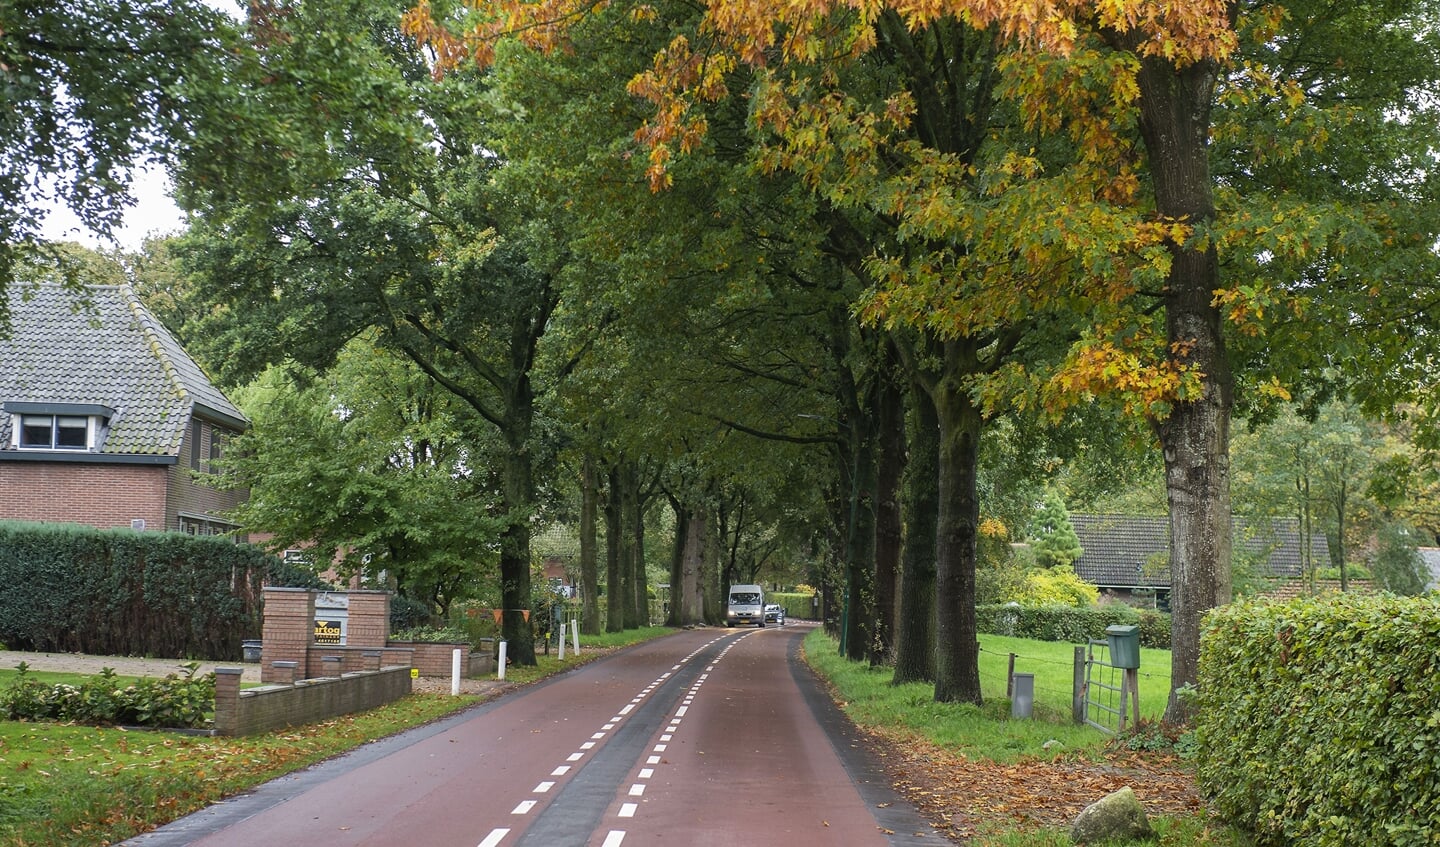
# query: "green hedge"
(1318, 720)
(1072, 624)
(796, 605)
(117, 592)
(173, 702)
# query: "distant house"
(1128, 556)
(1431, 557)
(104, 419)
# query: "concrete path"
(125, 666)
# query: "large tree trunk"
(1175, 124)
(675, 609)
(891, 466)
(614, 557)
(957, 665)
(855, 466)
(915, 631)
(637, 551)
(687, 591)
(515, 540)
(589, 561)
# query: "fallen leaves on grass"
(959, 796)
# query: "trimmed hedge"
(1072, 624)
(800, 606)
(118, 592)
(1318, 720)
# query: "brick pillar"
(372, 660)
(331, 665)
(289, 629)
(227, 700)
(369, 623)
(283, 673)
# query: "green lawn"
(1053, 666)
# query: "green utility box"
(1124, 646)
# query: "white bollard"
(575, 628)
(500, 661)
(561, 641)
(455, 672)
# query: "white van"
(745, 605)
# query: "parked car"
(775, 613)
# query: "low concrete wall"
(257, 710)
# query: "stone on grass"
(1119, 815)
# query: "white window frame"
(17, 429)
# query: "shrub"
(407, 612)
(173, 702)
(119, 592)
(800, 606)
(1072, 625)
(1317, 720)
(433, 635)
(1057, 586)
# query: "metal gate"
(1110, 693)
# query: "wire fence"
(1064, 684)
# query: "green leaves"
(90, 90)
(1316, 722)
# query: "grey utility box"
(1024, 698)
(1124, 646)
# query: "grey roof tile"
(1132, 550)
(113, 353)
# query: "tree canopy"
(89, 91)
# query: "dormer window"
(54, 432)
(57, 426)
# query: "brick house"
(1127, 556)
(104, 419)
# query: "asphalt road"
(704, 737)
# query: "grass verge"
(979, 774)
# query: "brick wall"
(99, 495)
(434, 659)
(369, 624)
(184, 494)
(262, 709)
(288, 630)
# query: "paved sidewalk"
(123, 665)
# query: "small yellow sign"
(328, 632)
(414, 673)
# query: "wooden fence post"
(1077, 705)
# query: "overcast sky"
(153, 213)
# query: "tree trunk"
(614, 562)
(637, 551)
(515, 539)
(589, 564)
(915, 632)
(957, 665)
(1175, 124)
(686, 591)
(675, 608)
(890, 420)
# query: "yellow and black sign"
(329, 633)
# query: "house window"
(196, 432)
(54, 432)
(201, 525)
